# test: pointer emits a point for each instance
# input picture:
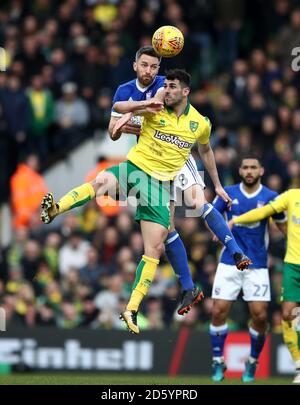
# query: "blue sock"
(177, 257)
(218, 225)
(218, 335)
(257, 343)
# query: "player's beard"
(251, 182)
(145, 80)
(172, 102)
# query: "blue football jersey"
(252, 238)
(133, 91)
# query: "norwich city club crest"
(194, 125)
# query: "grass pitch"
(119, 379)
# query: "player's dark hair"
(179, 74)
(147, 50)
(250, 156)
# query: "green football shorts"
(291, 282)
(153, 196)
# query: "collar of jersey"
(250, 195)
(143, 89)
(185, 112)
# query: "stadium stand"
(64, 62)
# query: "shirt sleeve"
(280, 203)
(281, 216)
(119, 96)
(204, 133)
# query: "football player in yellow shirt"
(187, 181)
(148, 84)
(288, 201)
(166, 138)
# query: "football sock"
(144, 276)
(218, 335)
(291, 339)
(218, 225)
(76, 197)
(257, 343)
(177, 257)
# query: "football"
(168, 41)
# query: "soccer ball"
(168, 41)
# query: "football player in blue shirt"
(146, 85)
(254, 282)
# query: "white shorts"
(187, 177)
(229, 281)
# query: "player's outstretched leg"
(194, 197)
(74, 198)
(49, 208)
(219, 227)
(105, 183)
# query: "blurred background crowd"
(64, 61)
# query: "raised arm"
(153, 105)
(254, 215)
(119, 125)
(112, 123)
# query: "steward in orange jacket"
(27, 190)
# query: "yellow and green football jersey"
(166, 140)
(290, 201)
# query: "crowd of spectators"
(80, 272)
(64, 62)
